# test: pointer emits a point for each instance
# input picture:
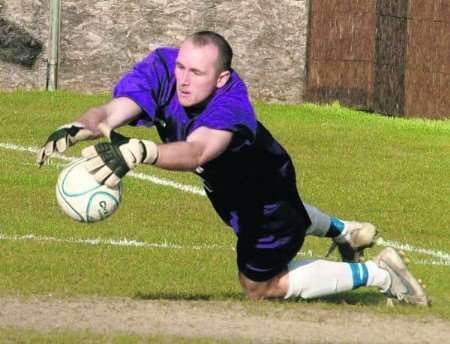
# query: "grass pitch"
(389, 171)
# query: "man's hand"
(61, 139)
(110, 161)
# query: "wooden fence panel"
(388, 56)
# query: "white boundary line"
(155, 180)
(111, 242)
(123, 242)
(443, 258)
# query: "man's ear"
(223, 78)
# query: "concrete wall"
(23, 41)
(100, 40)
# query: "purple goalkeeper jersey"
(252, 184)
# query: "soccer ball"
(82, 198)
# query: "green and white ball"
(82, 198)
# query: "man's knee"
(262, 290)
(254, 290)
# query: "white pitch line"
(155, 180)
(166, 182)
(443, 258)
(110, 242)
(29, 149)
(122, 242)
(166, 245)
(433, 262)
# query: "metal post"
(52, 65)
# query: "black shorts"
(264, 251)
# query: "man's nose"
(185, 78)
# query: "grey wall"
(23, 40)
(100, 40)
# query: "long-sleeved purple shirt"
(252, 184)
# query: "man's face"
(196, 73)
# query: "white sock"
(378, 277)
(315, 278)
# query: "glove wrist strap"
(150, 152)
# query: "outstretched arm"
(202, 145)
(115, 113)
(110, 161)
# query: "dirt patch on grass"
(221, 320)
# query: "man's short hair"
(203, 38)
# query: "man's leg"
(316, 278)
(350, 237)
(276, 287)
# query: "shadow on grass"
(352, 298)
(348, 298)
(189, 297)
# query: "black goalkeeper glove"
(61, 139)
(110, 161)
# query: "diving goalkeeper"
(202, 112)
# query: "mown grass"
(389, 171)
